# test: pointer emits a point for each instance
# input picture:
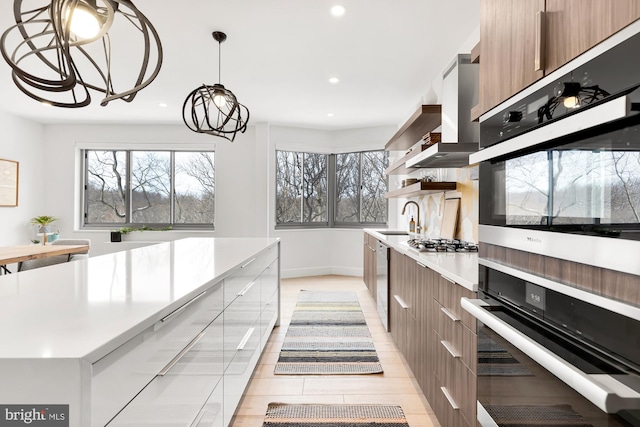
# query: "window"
(360, 187)
(329, 190)
(159, 188)
(301, 188)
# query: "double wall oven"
(558, 304)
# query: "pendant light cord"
(219, 63)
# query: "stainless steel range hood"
(460, 135)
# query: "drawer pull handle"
(246, 289)
(447, 279)
(198, 417)
(449, 314)
(249, 262)
(450, 349)
(452, 402)
(184, 351)
(421, 264)
(181, 308)
(540, 47)
(245, 339)
(402, 303)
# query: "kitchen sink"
(393, 232)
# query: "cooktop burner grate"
(442, 245)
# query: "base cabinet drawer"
(268, 317)
(119, 376)
(239, 371)
(457, 336)
(248, 272)
(177, 395)
(449, 294)
(455, 382)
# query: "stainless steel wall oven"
(558, 305)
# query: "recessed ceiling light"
(338, 10)
(330, 115)
(162, 104)
(334, 80)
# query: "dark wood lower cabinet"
(370, 269)
(436, 336)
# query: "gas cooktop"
(442, 245)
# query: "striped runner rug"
(287, 415)
(328, 335)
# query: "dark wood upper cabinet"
(508, 48)
(575, 26)
(524, 40)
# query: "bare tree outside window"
(302, 184)
(374, 185)
(314, 206)
(288, 187)
(149, 187)
(194, 188)
(106, 187)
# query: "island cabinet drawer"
(181, 393)
(243, 276)
(241, 321)
(121, 374)
(238, 373)
(457, 337)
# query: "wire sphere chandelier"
(60, 50)
(215, 110)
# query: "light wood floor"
(396, 386)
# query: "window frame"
(128, 223)
(332, 196)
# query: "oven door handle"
(606, 112)
(601, 390)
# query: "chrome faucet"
(418, 215)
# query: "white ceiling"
(278, 58)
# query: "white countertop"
(461, 267)
(86, 308)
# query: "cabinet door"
(270, 301)
(411, 335)
(574, 26)
(424, 295)
(508, 48)
(373, 265)
(396, 311)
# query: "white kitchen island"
(147, 336)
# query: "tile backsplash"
(433, 204)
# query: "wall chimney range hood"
(460, 135)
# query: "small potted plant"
(116, 235)
(43, 221)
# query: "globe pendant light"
(61, 50)
(215, 110)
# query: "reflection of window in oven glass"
(596, 187)
(527, 189)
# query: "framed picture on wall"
(8, 183)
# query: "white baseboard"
(320, 271)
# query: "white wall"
(23, 141)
